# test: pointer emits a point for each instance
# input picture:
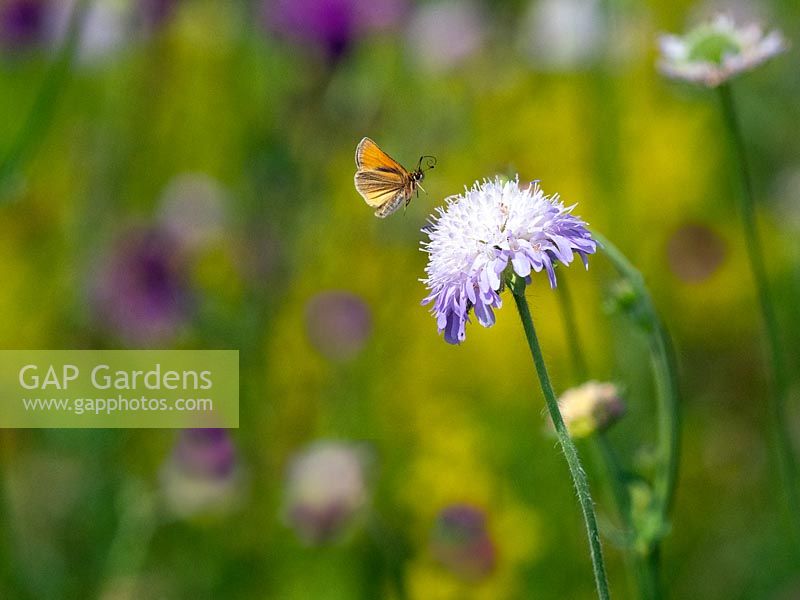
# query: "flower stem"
(644, 567)
(664, 373)
(785, 453)
(567, 446)
(43, 109)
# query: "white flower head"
(714, 52)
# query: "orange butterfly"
(383, 182)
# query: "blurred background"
(179, 174)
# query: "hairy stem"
(567, 446)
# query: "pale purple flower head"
(495, 228)
(203, 474)
(205, 452)
(140, 291)
(327, 490)
(338, 324)
(461, 542)
(714, 52)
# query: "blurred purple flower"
(332, 26)
(484, 235)
(327, 490)
(202, 474)
(205, 452)
(23, 23)
(140, 291)
(338, 324)
(155, 13)
(193, 210)
(461, 542)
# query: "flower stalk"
(785, 453)
(643, 546)
(567, 446)
(665, 375)
(43, 110)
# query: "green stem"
(785, 453)
(567, 446)
(44, 105)
(644, 568)
(665, 376)
(137, 523)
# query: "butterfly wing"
(383, 191)
(382, 181)
(369, 156)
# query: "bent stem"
(567, 446)
(755, 254)
(664, 365)
(664, 373)
(643, 567)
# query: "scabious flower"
(591, 407)
(23, 23)
(193, 210)
(460, 541)
(338, 324)
(444, 35)
(140, 291)
(333, 26)
(564, 35)
(481, 237)
(203, 474)
(716, 51)
(327, 490)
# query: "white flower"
(713, 53)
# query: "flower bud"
(203, 473)
(590, 407)
(327, 490)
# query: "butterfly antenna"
(430, 163)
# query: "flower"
(193, 210)
(483, 236)
(338, 324)
(716, 51)
(590, 407)
(444, 35)
(23, 23)
(461, 542)
(564, 35)
(327, 490)
(203, 474)
(331, 25)
(140, 291)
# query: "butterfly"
(383, 182)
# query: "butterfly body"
(383, 182)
